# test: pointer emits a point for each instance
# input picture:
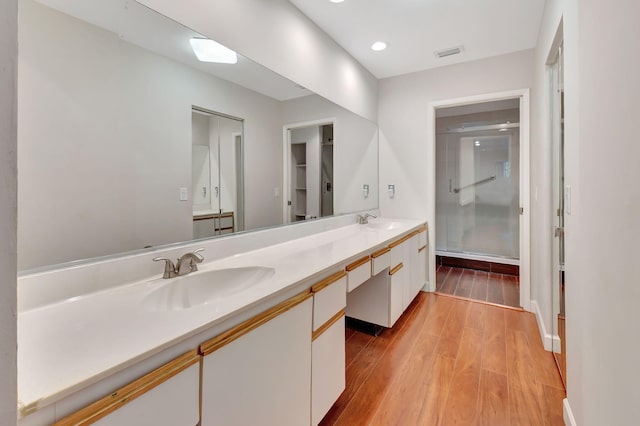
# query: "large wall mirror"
(117, 142)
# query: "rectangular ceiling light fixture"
(207, 50)
(448, 52)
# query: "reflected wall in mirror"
(106, 92)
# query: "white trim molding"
(549, 341)
(567, 414)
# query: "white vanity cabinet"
(167, 396)
(395, 283)
(328, 344)
(259, 372)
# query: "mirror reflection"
(126, 140)
(216, 166)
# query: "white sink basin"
(383, 225)
(203, 287)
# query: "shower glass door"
(477, 200)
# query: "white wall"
(8, 206)
(355, 150)
(277, 35)
(405, 158)
(602, 66)
(109, 142)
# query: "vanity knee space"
(398, 274)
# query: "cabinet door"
(261, 376)
(166, 396)
(422, 264)
(327, 369)
(416, 279)
(401, 254)
(396, 290)
(175, 402)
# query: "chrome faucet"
(364, 219)
(187, 263)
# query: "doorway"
(477, 200)
(308, 174)
(516, 230)
(217, 185)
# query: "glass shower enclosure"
(477, 187)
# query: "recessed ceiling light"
(336, 1)
(379, 45)
(207, 50)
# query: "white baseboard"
(548, 340)
(567, 414)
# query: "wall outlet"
(184, 194)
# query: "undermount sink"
(203, 287)
(383, 225)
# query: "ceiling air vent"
(448, 52)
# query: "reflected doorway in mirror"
(308, 170)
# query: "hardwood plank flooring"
(450, 361)
(491, 287)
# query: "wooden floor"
(479, 285)
(449, 361)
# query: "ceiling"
(415, 29)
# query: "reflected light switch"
(184, 195)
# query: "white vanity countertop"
(67, 346)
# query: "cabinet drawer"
(423, 238)
(380, 261)
(226, 222)
(329, 297)
(358, 272)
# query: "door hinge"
(521, 210)
(288, 203)
(559, 232)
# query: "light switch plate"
(184, 194)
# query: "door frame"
(286, 160)
(525, 219)
(239, 210)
